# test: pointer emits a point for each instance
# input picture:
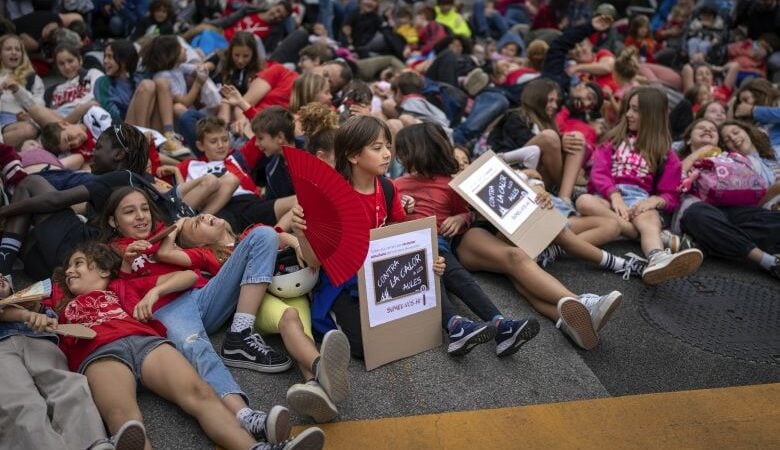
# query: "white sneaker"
(332, 373)
(665, 266)
(131, 436)
(602, 307)
(577, 323)
(311, 400)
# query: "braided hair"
(133, 142)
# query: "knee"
(263, 236)
(585, 204)
(515, 257)
(200, 391)
(146, 87)
(210, 183)
(230, 180)
(290, 320)
(549, 140)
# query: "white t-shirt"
(71, 93)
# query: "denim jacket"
(8, 329)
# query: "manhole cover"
(719, 315)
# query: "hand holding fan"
(33, 293)
(337, 227)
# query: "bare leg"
(572, 163)
(140, 109)
(197, 192)
(590, 205)
(550, 161)
(298, 345)
(113, 389)
(168, 374)
(480, 250)
(283, 211)
(577, 247)
(164, 101)
(250, 297)
(649, 225)
(227, 184)
(595, 229)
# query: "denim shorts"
(563, 207)
(66, 179)
(129, 350)
(632, 194)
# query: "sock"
(315, 368)
(10, 166)
(167, 128)
(242, 321)
(9, 250)
(452, 322)
(497, 318)
(611, 262)
(767, 261)
(652, 253)
(242, 413)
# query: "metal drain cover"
(719, 315)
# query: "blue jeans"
(632, 194)
(198, 312)
(488, 105)
(515, 14)
(493, 25)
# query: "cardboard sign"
(502, 197)
(400, 310)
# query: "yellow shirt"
(454, 21)
(409, 33)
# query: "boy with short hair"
(246, 206)
(407, 91)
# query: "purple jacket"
(624, 166)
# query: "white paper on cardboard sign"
(399, 277)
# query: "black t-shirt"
(34, 23)
(101, 187)
(277, 177)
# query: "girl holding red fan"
(362, 147)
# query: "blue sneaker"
(467, 334)
(512, 334)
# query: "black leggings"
(732, 232)
(346, 310)
(461, 282)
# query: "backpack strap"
(388, 188)
(30, 81)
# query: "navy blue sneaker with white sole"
(512, 334)
(465, 335)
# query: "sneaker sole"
(277, 424)
(685, 263)
(310, 404)
(577, 318)
(477, 337)
(334, 362)
(257, 367)
(309, 439)
(511, 346)
(610, 310)
(131, 436)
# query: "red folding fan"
(337, 226)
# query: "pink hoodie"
(624, 166)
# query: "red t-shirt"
(252, 23)
(376, 207)
(433, 197)
(602, 80)
(281, 81)
(147, 265)
(109, 314)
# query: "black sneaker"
(248, 350)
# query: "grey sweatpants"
(42, 404)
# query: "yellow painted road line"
(734, 417)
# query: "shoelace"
(633, 266)
(590, 301)
(269, 446)
(255, 342)
(255, 422)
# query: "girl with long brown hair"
(634, 176)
